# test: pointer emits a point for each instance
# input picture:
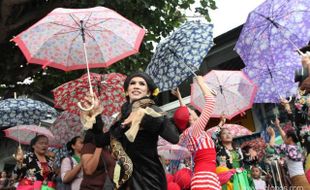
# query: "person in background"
(96, 160)
(258, 182)
(35, 169)
(71, 169)
(294, 158)
(4, 181)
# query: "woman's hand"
(138, 113)
(91, 100)
(253, 154)
(203, 86)
(286, 104)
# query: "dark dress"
(148, 172)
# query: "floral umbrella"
(268, 45)
(24, 112)
(70, 39)
(235, 93)
(108, 88)
(172, 151)
(24, 133)
(235, 130)
(180, 54)
(65, 127)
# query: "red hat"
(183, 178)
(173, 186)
(169, 177)
(181, 117)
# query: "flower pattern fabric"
(179, 54)
(266, 46)
(56, 39)
(108, 88)
(293, 152)
(24, 112)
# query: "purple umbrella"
(268, 43)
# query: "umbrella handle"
(89, 108)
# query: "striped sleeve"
(199, 126)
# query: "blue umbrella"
(24, 112)
(180, 55)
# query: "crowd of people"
(126, 156)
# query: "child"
(258, 182)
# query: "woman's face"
(40, 147)
(77, 147)
(3, 174)
(226, 136)
(137, 89)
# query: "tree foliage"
(158, 17)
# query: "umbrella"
(108, 88)
(180, 54)
(65, 127)
(235, 130)
(70, 39)
(24, 133)
(235, 93)
(172, 151)
(268, 43)
(24, 111)
(258, 144)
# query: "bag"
(108, 183)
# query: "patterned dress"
(202, 148)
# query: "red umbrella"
(108, 88)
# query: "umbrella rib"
(71, 47)
(59, 33)
(97, 44)
(76, 22)
(76, 28)
(95, 24)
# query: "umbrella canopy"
(65, 127)
(235, 130)
(235, 93)
(268, 43)
(24, 111)
(24, 133)
(172, 151)
(57, 39)
(258, 144)
(108, 88)
(180, 54)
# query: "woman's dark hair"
(70, 143)
(234, 145)
(35, 140)
(293, 135)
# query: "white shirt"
(259, 184)
(295, 168)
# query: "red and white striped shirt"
(195, 137)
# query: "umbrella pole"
(88, 74)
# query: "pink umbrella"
(235, 130)
(24, 133)
(108, 88)
(70, 39)
(172, 151)
(235, 93)
(65, 127)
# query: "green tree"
(158, 17)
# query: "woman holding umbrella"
(198, 142)
(35, 169)
(148, 172)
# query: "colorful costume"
(202, 148)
